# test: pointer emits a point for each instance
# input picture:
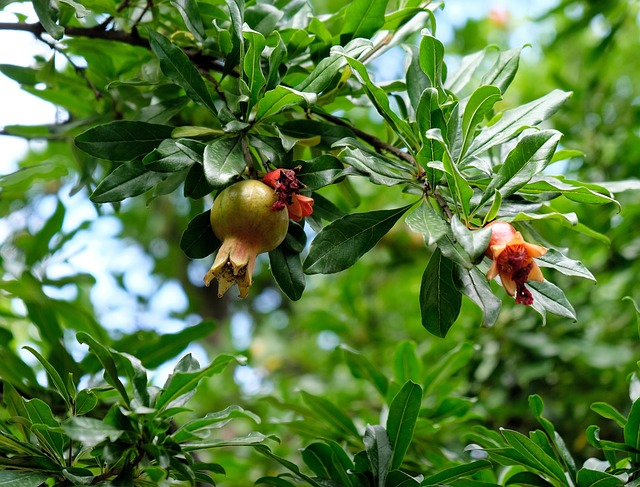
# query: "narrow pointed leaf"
(286, 268)
(448, 475)
(504, 70)
(58, 383)
(280, 98)
(252, 64)
(565, 265)
(479, 104)
(401, 422)
(379, 452)
(632, 430)
(126, 181)
(476, 287)
(223, 160)
(363, 18)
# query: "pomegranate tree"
(243, 218)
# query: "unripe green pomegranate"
(243, 219)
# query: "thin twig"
(248, 158)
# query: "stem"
(248, 158)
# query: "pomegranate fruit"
(513, 261)
(242, 217)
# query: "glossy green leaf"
(479, 104)
(379, 452)
(223, 160)
(20, 478)
(512, 122)
(535, 456)
(126, 181)
(264, 450)
(401, 422)
(279, 99)
(198, 240)
(286, 268)
(174, 155)
(320, 171)
(85, 402)
(363, 18)
(565, 265)
(375, 166)
(406, 364)
(122, 140)
(181, 385)
(252, 64)
(440, 300)
(504, 70)
(431, 59)
(362, 368)
(42, 419)
(322, 460)
(469, 64)
(573, 190)
(595, 478)
(196, 185)
(549, 297)
(320, 78)
(474, 242)
(341, 243)
(450, 474)
(201, 427)
(178, 68)
(530, 156)
(476, 287)
(426, 221)
(528, 479)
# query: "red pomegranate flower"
(287, 187)
(513, 261)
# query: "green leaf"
(431, 60)
(446, 366)
(379, 452)
(513, 121)
(200, 427)
(376, 167)
(42, 419)
(362, 368)
(279, 99)
(223, 160)
(122, 140)
(406, 364)
(126, 181)
(608, 411)
(178, 68)
(181, 385)
(573, 190)
(535, 455)
(595, 478)
(190, 13)
(48, 15)
(264, 450)
(196, 185)
(474, 242)
(363, 18)
(479, 104)
(90, 431)
(85, 402)
(330, 414)
(457, 80)
(565, 265)
(322, 75)
(504, 70)
(174, 155)
(198, 240)
(252, 64)
(286, 268)
(401, 422)
(476, 287)
(341, 243)
(440, 300)
(323, 461)
(632, 430)
(380, 101)
(57, 381)
(319, 172)
(529, 157)
(108, 363)
(19, 478)
(445, 477)
(426, 221)
(551, 298)
(528, 479)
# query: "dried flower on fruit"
(287, 188)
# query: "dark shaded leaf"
(286, 268)
(341, 243)
(198, 240)
(363, 18)
(476, 287)
(126, 181)
(446, 476)
(379, 453)
(401, 422)
(440, 300)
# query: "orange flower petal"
(508, 284)
(536, 274)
